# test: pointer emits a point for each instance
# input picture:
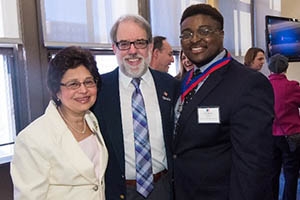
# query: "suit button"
(95, 188)
(122, 196)
(174, 156)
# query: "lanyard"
(190, 83)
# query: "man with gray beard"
(123, 127)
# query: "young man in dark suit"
(223, 136)
(132, 45)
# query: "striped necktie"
(143, 160)
(190, 95)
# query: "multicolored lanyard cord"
(191, 82)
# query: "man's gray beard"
(126, 68)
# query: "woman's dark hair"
(251, 54)
(69, 58)
(203, 9)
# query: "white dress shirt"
(158, 151)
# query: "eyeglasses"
(138, 44)
(203, 31)
(73, 85)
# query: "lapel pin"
(165, 96)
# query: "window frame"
(9, 51)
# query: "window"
(82, 22)
(167, 23)
(9, 36)
(246, 1)
(173, 69)
(242, 32)
(9, 28)
(107, 63)
(275, 5)
(169, 28)
(7, 117)
(106, 60)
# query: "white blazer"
(48, 162)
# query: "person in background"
(123, 127)
(286, 122)
(61, 155)
(162, 54)
(185, 66)
(223, 136)
(255, 58)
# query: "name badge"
(208, 115)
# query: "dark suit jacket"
(107, 110)
(230, 160)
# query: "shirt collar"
(126, 80)
(218, 57)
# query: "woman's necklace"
(70, 125)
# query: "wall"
(290, 8)
(6, 187)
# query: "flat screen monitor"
(283, 36)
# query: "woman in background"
(286, 122)
(185, 66)
(255, 58)
(61, 155)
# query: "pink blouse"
(90, 147)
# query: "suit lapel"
(113, 108)
(210, 83)
(162, 94)
(103, 156)
(164, 97)
(77, 157)
(70, 147)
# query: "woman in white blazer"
(62, 155)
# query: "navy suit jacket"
(230, 160)
(107, 110)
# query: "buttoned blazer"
(108, 111)
(48, 162)
(230, 159)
